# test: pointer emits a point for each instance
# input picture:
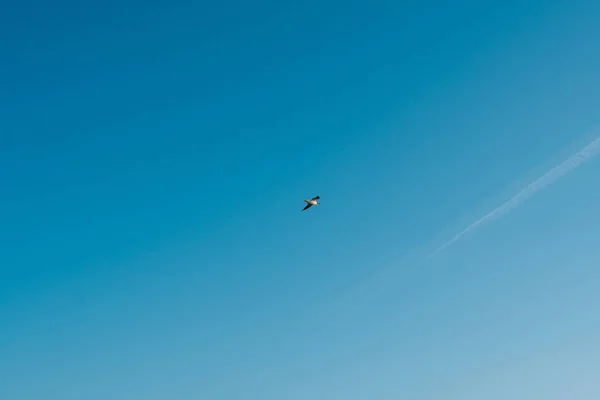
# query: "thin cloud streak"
(585, 154)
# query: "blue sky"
(154, 157)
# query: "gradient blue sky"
(153, 161)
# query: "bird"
(312, 202)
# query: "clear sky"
(154, 159)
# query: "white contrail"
(588, 152)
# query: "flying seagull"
(312, 202)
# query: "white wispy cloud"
(387, 277)
(574, 161)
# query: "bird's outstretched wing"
(308, 205)
(316, 198)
